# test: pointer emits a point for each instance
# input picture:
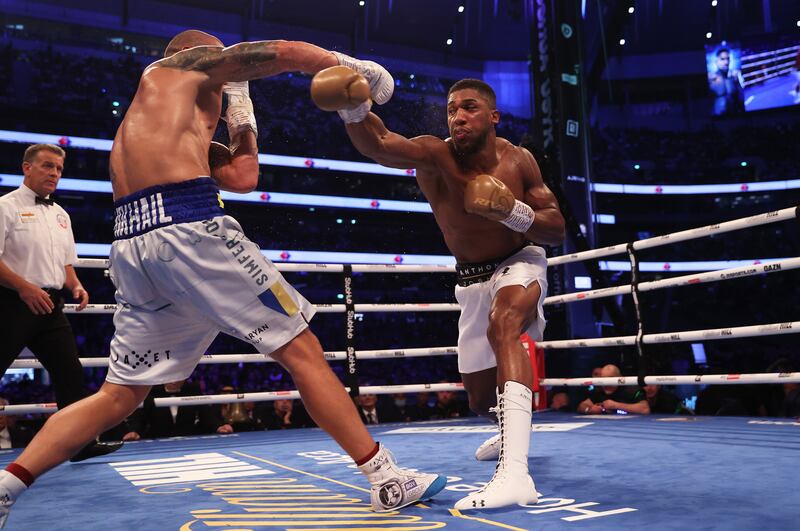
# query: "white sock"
(379, 466)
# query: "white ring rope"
(679, 379)
(685, 280)
(103, 263)
(674, 237)
(321, 308)
(710, 334)
(690, 234)
(267, 396)
(215, 359)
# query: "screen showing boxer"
(725, 79)
(754, 76)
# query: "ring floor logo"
(281, 498)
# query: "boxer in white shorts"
(489, 199)
(185, 272)
(201, 278)
(477, 286)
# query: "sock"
(21, 473)
(10, 487)
(369, 456)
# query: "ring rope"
(674, 237)
(684, 280)
(678, 379)
(265, 396)
(647, 243)
(214, 359)
(321, 308)
(710, 334)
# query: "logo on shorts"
(250, 264)
(505, 271)
(135, 360)
(253, 335)
(139, 215)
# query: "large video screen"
(753, 76)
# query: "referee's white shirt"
(36, 241)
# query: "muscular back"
(469, 237)
(167, 130)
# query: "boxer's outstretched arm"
(372, 139)
(251, 60)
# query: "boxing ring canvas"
(605, 472)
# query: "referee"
(37, 250)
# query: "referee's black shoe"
(95, 449)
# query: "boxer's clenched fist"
(339, 87)
(342, 89)
(490, 198)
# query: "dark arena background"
(669, 131)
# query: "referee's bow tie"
(43, 201)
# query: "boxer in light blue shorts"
(184, 272)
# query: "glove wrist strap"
(346, 60)
(521, 217)
(359, 114)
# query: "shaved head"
(190, 39)
(610, 371)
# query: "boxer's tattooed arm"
(243, 61)
(201, 58)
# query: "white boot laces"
(500, 468)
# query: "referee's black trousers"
(49, 337)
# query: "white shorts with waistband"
(527, 266)
(179, 286)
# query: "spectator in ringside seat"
(662, 401)
(613, 398)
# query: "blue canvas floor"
(593, 473)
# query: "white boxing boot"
(489, 450)
(394, 487)
(511, 483)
